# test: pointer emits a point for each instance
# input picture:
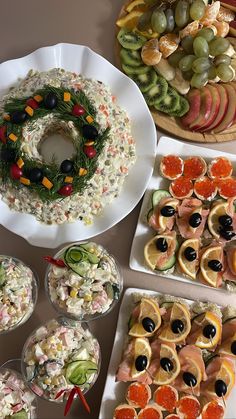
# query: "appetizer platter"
(181, 54)
(78, 94)
(171, 359)
(186, 227)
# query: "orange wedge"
(130, 20)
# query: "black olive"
(225, 220)
(141, 363)
(220, 388)
(50, 101)
(226, 234)
(209, 331)
(18, 117)
(35, 175)
(215, 265)
(190, 254)
(90, 132)
(233, 347)
(148, 324)
(189, 379)
(66, 166)
(167, 211)
(195, 220)
(177, 326)
(8, 155)
(161, 244)
(166, 364)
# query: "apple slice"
(229, 4)
(214, 108)
(205, 109)
(231, 111)
(194, 100)
(222, 109)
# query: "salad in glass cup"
(16, 399)
(83, 281)
(18, 293)
(61, 359)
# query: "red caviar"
(220, 167)
(205, 188)
(171, 166)
(166, 397)
(150, 412)
(125, 413)
(138, 395)
(213, 410)
(194, 167)
(181, 188)
(227, 187)
(189, 407)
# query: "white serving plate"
(114, 392)
(143, 232)
(82, 59)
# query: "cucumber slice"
(168, 265)
(22, 414)
(158, 195)
(78, 372)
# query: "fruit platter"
(186, 227)
(172, 358)
(181, 54)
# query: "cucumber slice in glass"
(78, 372)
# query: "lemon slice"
(149, 310)
(142, 348)
(226, 347)
(213, 217)
(130, 20)
(211, 253)
(203, 320)
(166, 377)
(152, 254)
(226, 373)
(163, 221)
(134, 4)
(179, 312)
(189, 268)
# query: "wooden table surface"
(25, 26)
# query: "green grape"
(212, 72)
(144, 21)
(175, 58)
(206, 33)
(170, 20)
(197, 9)
(158, 21)
(199, 80)
(185, 64)
(222, 59)
(200, 47)
(218, 46)
(200, 65)
(187, 44)
(182, 13)
(187, 75)
(224, 72)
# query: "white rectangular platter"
(114, 392)
(143, 232)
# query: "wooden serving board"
(169, 124)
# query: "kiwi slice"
(131, 71)
(130, 40)
(130, 57)
(182, 109)
(169, 103)
(157, 92)
(146, 81)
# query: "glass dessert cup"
(24, 402)
(18, 293)
(60, 356)
(87, 284)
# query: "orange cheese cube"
(82, 171)
(12, 137)
(67, 97)
(89, 119)
(6, 117)
(46, 182)
(38, 98)
(20, 163)
(29, 110)
(25, 181)
(68, 179)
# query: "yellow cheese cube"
(20, 163)
(89, 119)
(68, 179)
(38, 98)
(46, 182)
(25, 181)
(67, 97)
(73, 293)
(29, 110)
(12, 137)
(82, 171)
